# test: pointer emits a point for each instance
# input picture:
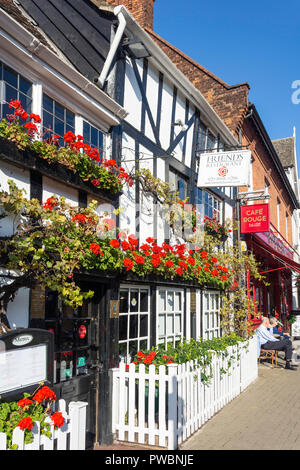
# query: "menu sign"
(255, 218)
(23, 367)
(220, 169)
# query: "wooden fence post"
(172, 406)
(77, 412)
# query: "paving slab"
(266, 416)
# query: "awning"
(284, 260)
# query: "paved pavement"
(266, 416)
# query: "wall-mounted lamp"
(181, 124)
(136, 48)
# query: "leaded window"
(57, 119)
(212, 206)
(13, 86)
(93, 136)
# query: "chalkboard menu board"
(26, 359)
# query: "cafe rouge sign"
(219, 169)
(255, 218)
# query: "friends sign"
(221, 169)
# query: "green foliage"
(192, 350)
(77, 162)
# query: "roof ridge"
(208, 72)
(283, 138)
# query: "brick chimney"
(142, 10)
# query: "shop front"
(273, 296)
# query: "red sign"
(255, 218)
(82, 331)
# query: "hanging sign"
(221, 169)
(255, 218)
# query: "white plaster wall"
(146, 206)
(51, 187)
(132, 96)
(152, 97)
(166, 114)
(189, 140)
(127, 199)
(179, 115)
(162, 228)
(18, 310)
(22, 179)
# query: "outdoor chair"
(268, 354)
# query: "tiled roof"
(19, 15)
(229, 102)
(285, 149)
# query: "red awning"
(284, 260)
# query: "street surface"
(266, 416)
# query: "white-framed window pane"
(162, 301)
(169, 315)
(170, 302)
(170, 324)
(134, 317)
(14, 87)
(57, 119)
(211, 315)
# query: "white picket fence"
(71, 436)
(165, 408)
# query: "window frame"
(207, 328)
(133, 287)
(176, 336)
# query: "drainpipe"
(114, 46)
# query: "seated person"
(274, 329)
(267, 341)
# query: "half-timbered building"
(92, 69)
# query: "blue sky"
(256, 42)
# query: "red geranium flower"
(169, 264)
(155, 262)
(133, 240)
(14, 104)
(58, 419)
(114, 243)
(24, 402)
(45, 393)
(179, 271)
(128, 263)
(25, 423)
(35, 117)
(125, 245)
(140, 259)
(191, 261)
(95, 248)
(50, 203)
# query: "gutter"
(118, 11)
(16, 34)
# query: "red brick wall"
(142, 10)
(263, 169)
(229, 102)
